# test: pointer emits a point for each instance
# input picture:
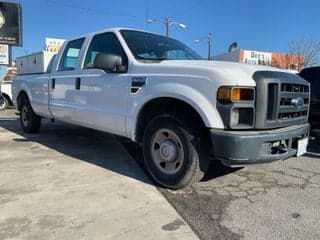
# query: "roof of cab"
(117, 29)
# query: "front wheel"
(30, 122)
(175, 153)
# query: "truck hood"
(229, 72)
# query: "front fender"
(189, 95)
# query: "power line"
(86, 9)
(189, 10)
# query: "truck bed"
(38, 85)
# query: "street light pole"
(167, 22)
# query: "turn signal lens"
(242, 94)
(236, 94)
(227, 94)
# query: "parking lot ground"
(279, 200)
(69, 182)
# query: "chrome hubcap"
(167, 151)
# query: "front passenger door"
(104, 94)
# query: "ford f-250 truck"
(182, 109)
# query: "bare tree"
(308, 49)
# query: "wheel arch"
(161, 105)
(7, 97)
(20, 96)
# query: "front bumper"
(239, 148)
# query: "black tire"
(4, 103)
(183, 149)
(30, 122)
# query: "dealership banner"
(10, 24)
(255, 57)
(4, 55)
(279, 60)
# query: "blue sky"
(254, 24)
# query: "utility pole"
(209, 40)
(209, 45)
(167, 26)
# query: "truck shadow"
(80, 143)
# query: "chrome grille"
(282, 99)
(289, 93)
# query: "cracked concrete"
(280, 200)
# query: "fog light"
(242, 117)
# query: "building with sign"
(279, 60)
(53, 45)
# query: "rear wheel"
(174, 151)
(4, 103)
(30, 122)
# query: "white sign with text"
(254, 57)
(4, 54)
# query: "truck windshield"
(152, 47)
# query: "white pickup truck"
(182, 109)
(5, 95)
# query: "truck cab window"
(70, 55)
(148, 47)
(104, 43)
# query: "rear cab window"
(71, 55)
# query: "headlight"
(235, 94)
(236, 106)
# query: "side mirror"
(108, 62)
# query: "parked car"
(312, 75)
(5, 95)
(183, 110)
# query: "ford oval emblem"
(297, 102)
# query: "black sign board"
(10, 24)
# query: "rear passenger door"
(63, 82)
